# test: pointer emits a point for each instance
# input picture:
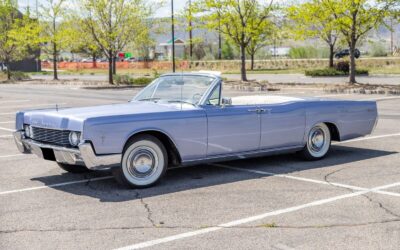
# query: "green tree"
(313, 19)
(239, 21)
(355, 18)
(19, 34)
(261, 37)
(113, 24)
(227, 51)
(55, 31)
(80, 41)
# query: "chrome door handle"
(254, 110)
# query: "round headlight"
(74, 138)
(27, 131)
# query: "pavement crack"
(332, 225)
(336, 186)
(267, 226)
(147, 208)
(381, 206)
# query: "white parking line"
(7, 129)
(6, 122)
(304, 179)
(5, 136)
(56, 185)
(253, 218)
(8, 156)
(367, 138)
(13, 101)
(50, 105)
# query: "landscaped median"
(333, 72)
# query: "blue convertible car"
(182, 119)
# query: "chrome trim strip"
(244, 155)
(84, 155)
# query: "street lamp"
(173, 36)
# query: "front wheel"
(318, 143)
(144, 162)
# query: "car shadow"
(199, 176)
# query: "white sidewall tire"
(159, 166)
(324, 149)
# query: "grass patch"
(333, 72)
(268, 225)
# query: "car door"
(231, 128)
(282, 125)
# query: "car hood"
(73, 118)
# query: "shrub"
(141, 81)
(126, 79)
(333, 72)
(122, 79)
(378, 49)
(324, 72)
(362, 72)
(343, 66)
(19, 76)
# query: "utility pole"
(391, 36)
(190, 30)
(219, 40)
(173, 36)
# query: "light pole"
(173, 36)
(190, 30)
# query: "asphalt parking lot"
(349, 200)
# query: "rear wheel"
(75, 169)
(318, 143)
(144, 162)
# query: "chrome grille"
(51, 136)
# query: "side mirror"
(226, 101)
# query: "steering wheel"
(196, 97)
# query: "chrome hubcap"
(317, 139)
(142, 162)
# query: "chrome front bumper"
(84, 155)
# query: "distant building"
(279, 51)
(180, 46)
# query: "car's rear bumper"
(84, 155)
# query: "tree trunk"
(110, 68)
(331, 54)
(8, 69)
(55, 61)
(114, 65)
(252, 61)
(94, 61)
(243, 63)
(352, 73)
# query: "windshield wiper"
(150, 99)
(180, 101)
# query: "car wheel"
(318, 143)
(144, 162)
(75, 169)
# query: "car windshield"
(178, 88)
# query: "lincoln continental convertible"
(185, 119)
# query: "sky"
(161, 12)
